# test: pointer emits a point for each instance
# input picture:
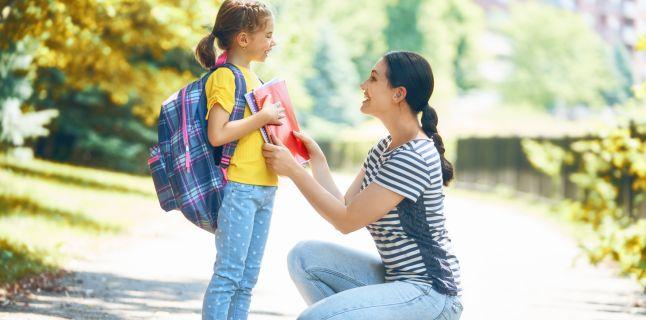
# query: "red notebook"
(285, 133)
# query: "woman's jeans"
(243, 225)
(341, 283)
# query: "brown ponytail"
(412, 71)
(429, 125)
(233, 17)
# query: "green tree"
(355, 23)
(556, 58)
(16, 125)
(106, 66)
(451, 31)
(333, 84)
(402, 32)
(640, 89)
(625, 78)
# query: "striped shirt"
(412, 239)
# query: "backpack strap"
(236, 114)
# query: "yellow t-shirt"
(247, 165)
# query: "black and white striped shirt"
(412, 239)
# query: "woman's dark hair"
(413, 72)
(233, 17)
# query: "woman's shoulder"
(421, 150)
(380, 146)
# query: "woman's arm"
(355, 187)
(321, 170)
(321, 173)
(222, 131)
(366, 207)
(319, 165)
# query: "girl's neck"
(402, 126)
(237, 56)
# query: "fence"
(500, 161)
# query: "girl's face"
(261, 42)
(377, 91)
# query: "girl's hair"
(233, 17)
(413, 72)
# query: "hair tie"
(222, 59)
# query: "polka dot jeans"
(243, 225)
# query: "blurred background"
(542, 106)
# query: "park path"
(515, 265)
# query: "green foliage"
(16, 76)
(333, 84)
(557, 59)
(103, 63)
(601, 167)
(640, 89)
(92, 131)
(402, 33)
(545, 155)
(624, 73)
(451, 30)
(20, 261)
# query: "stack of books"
(285, 133)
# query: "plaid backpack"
(189, 174)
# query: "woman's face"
(377, 91)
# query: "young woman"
(398, 196)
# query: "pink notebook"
(278, 91)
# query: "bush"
(608, 171)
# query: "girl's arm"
(222, 131)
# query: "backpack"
(189, 174)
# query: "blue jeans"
(341, 283)
(243, 225)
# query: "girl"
(244, 30)
(398, 196)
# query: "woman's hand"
(279, 159)
(316, 154)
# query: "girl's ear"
(243, 39)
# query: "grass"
(51, 212)
(20, 261)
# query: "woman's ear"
(399, 95)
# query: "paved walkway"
(515, 265)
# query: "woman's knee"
(295, 257)
(301, 253)
(313, 312)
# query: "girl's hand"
(279, 159)
(312, 147)
(272, 112)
